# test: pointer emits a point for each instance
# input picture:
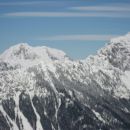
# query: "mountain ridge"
(43, 89)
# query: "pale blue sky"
(78, 27)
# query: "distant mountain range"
(43, 89)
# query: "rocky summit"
(43, 89)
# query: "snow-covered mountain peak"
(24, 54)
(117, 52)
(121, 39)
(113, 60)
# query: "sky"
(78, 27)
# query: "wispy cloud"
(102, 8)
(29, 3)
(67, 14)
(78, 37)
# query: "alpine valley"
(43, 89)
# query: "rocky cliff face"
(43, 89)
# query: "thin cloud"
(101, 8)
(67, 14)
(49, 3)
(79, 37)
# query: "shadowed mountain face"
(43, 89)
